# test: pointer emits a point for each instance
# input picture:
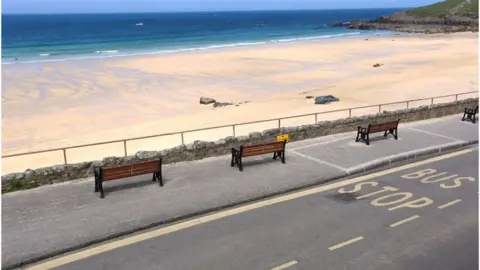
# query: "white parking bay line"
(435, 134)
(348, 242)
(404, 221)
(407, 153)
(286, 265)
(449, 204)
(320, 143)
(318, 160)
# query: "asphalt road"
(401, 220)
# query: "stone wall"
(200, 149)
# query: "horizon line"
(196, 11)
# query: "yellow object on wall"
(283, 137)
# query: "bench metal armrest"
(236, 152)
(362, 129)
(468, 110)
(96, 172)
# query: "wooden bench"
(103, 174)
(277, 148)
(388, 128)
(470, 114)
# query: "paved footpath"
(53, 219)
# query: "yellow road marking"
(286, 265)
(449, 204)
(229, 212)
(348, 242)
(404, 221)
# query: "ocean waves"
(107, 51)
(317, 37)
(99, 54)
(48, 38)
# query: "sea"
(57, 37)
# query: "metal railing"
(233, 126)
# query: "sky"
(114, 6)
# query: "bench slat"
(267, 148)
(116, 170)
(382, 127)
(262, 147)
(127, 165)
(257, 153)
(116, 176)
(151, 166)
(268, 145)
(146, 167)
(254, 150)
(272, 143)
(129, 173)
(144, 171)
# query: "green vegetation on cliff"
(467, 8)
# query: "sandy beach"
(61, 104)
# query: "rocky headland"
(444, 17)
